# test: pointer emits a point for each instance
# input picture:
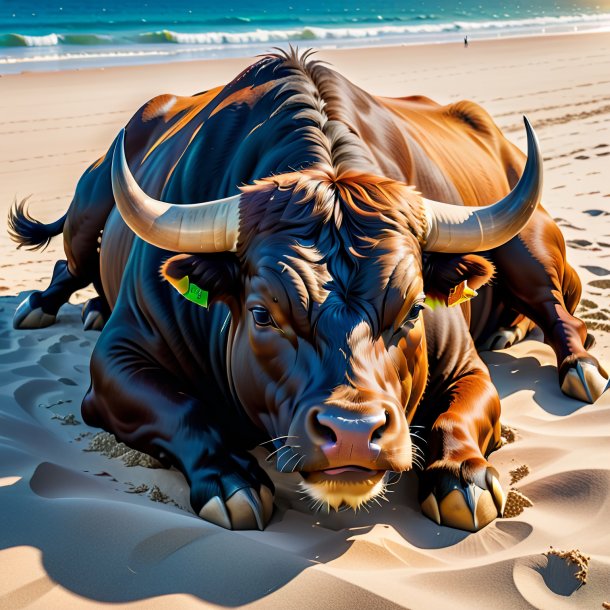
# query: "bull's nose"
(345, 435)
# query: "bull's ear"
(454, 279)
(203, 278)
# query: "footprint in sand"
(581, 157)
(596, 270)
(564, 223)
(579, 244)
(603, 154)
(600, 284)
(587, 304)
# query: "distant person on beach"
(465, 42)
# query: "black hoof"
(94, 314)
(30, 315)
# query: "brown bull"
(313, 280)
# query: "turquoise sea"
(61, 34)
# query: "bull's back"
(453, 153)
(457, 154)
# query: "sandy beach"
(82, 529)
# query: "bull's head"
(323, 276)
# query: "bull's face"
(323, 277)
(329, 358)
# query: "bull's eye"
(411, 317)
(414, 312)
(262, 317)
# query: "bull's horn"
(455, 228)
(210, 226)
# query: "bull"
(263, 252)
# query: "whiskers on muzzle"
(342, 496)
(417, 457)
(288, 459)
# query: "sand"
(79, 529)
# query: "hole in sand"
(539, 576)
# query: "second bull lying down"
(304, 322)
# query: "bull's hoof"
(503, 338)
(28, 315)
(450, 500)
(583, 379)
(246, 509)
(94, 314)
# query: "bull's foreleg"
(543, 286)
(459, 487)
(460, 421)
(146, 408)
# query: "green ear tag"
(189, 291)
(196, 295)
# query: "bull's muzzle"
(346, 438)
(343, 454)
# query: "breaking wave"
(304, 33)
(53, 40)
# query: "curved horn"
(210, 226)
(454, 228)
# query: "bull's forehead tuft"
(310, 279)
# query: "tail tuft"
(29, 232)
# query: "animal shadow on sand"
(511, 374)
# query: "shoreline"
(424, 47)
(162, 56)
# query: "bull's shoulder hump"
(462, 115)
(417, 102)
(472, 116)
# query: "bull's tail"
(28, 231)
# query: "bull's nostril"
(329, 433)
(383, 426)
(319, 432)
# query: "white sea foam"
(377, 31)
(297, 34)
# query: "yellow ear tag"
(189, 291)
(460, 294)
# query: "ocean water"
(62, 34)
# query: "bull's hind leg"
(40, 309)
(506, 336)
(543, 286)
(81, 226)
